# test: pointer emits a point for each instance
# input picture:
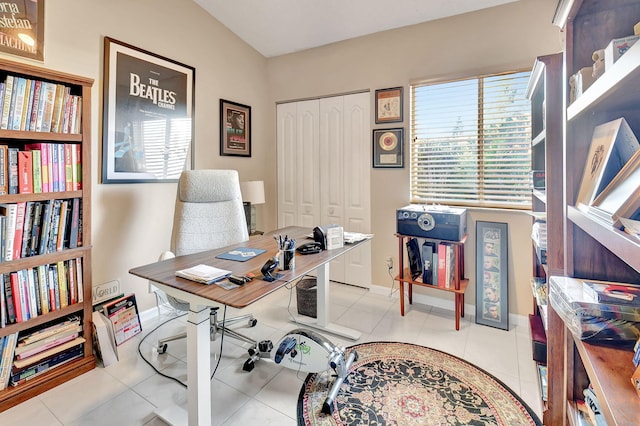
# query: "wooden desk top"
(164, 272)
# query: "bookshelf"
(458, 284)
(79, 87)
(594, 249)
(545, 93)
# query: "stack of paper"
(354, 237)
(203, 274)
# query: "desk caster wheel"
(253, 322)
(327, 408)
(249, 365)
(162, 349)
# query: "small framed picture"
(389, 105)
(492, 272)
(235, 129)
(388, 148)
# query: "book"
(49, 94)
(104, 343)
(75, 223)
(12, 170)
(7, 356)
(19, 230)
(36, 171)
(21, 376)
(123, 315)
(28, 351)
(427, 262)
(204, 274)
(79, 280)
(8, 296)
(15, 115)
(63, 284)
(43, 287)
(70, 323)
(4, 123)
(442, 265)
(10, 211)
(4, 162)
(25, 172)
(27, 228)
(26, 117)
(21, 363)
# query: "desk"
(200, 298)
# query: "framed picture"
(389, 105)
(612, 145)
(23, 29)
(492, 273)
(388, 148)
(235, 129)
(147, 129)
(621, 198)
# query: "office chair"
(209, 214)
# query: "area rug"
(406, 384)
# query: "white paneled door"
(324, 154)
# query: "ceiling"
(277, 27)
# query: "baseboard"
(425, 299)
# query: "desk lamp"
(252, 194)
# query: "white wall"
(499, 39)
(131, 222)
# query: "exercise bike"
(305, 350)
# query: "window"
(471, 142)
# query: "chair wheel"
(253, 322)
(162, 349)
(248, 365)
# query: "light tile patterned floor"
(128, 393)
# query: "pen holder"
(287, 259)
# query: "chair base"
(215, 328)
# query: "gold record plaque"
(388, 141)
(388, 148)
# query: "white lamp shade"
(252, 191)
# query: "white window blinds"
(471, 142)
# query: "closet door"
(298, 168)
(344, 171)
(323, 172)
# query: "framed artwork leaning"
(148, 116)
(492, 273)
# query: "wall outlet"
(390, 262)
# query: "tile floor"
(128, 392)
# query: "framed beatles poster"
(389, 105)
(492, 273)
(388, 148)
(235, 129)
(148, 116)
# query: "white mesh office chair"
(209, 214)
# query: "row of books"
(40, 167)
(34, 228)
(29, 293)
(39, 106)
(433, 262)
(25, 357)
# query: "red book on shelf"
(25, 172)
(17, 237)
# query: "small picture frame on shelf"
(388, 148)
(389, 105)
(492, 273)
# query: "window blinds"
(471, 142)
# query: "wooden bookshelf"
(593, 249)
(81, 87)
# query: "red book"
(25, 172)
(17, 238)
(17, 300)
(442, 265)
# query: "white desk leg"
(322, 309)
(198, 366)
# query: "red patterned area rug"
(406, 384)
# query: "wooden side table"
(458, 285)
